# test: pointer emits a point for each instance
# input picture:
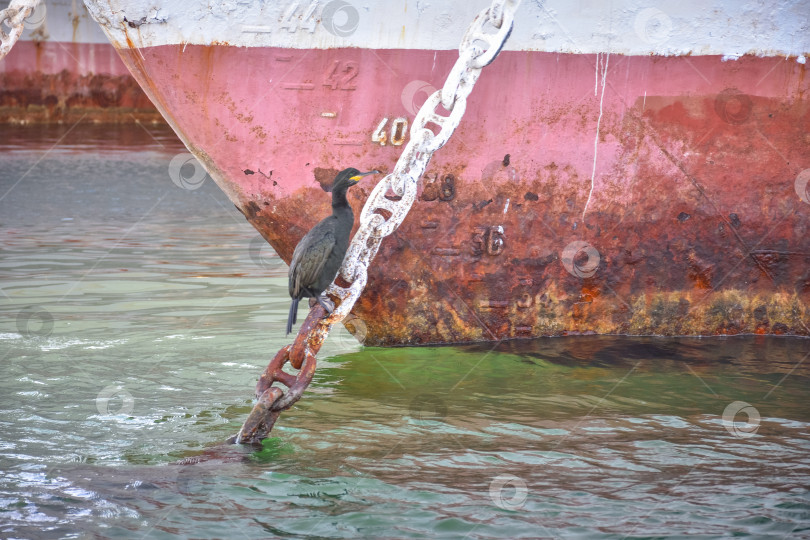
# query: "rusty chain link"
(14, 18)
(410, 167)
(480, 45)
(271, 400)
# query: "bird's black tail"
(293, 316)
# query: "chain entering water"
(480, 45)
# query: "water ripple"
(133, 331)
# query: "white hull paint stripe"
(632, 27)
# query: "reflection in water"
(136, 318)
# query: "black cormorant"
(318, 256)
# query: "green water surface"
(136, 317)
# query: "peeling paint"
(697, 224)
(697, 228)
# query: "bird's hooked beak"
(356, 178)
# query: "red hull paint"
(694, 213)
(64, 82)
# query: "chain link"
(272, 400)
(374, 226)
(14, 17)
(480, 45)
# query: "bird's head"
(349, 177)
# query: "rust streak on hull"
(694, 226)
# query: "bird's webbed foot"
(327, 304)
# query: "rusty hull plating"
(482, 257)
(695, 226)
(461, 269)
(47, 82)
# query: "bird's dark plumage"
(318, 256)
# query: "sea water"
(137, 314)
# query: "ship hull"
(693, 227)
(591, 187)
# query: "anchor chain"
(271, 400)
(480, 45)
(14, 18)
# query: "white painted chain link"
(480, 45)
(14, 17)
